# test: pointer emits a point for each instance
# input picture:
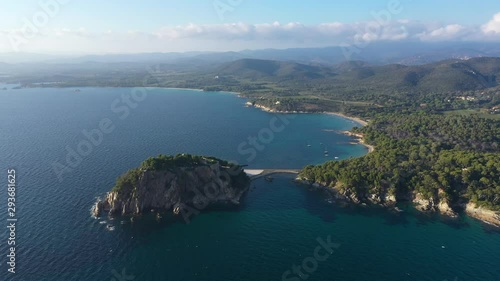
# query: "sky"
(133, 26)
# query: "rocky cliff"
(483, 214)
(435, 203)
(169, 183)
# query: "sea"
(67, 146)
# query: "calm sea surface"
(276, 229)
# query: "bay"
(276, 227)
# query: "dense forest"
(455, 158)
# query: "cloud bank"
(236, 36)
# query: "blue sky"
(191, 24)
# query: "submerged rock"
(174, 184)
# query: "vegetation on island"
(128, 181)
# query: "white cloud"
(333, 33)
(493, 26)
(449, 32)
(236, 36)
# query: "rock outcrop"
(384, 198)
(483, 214)
(173, 184)
(436, 203)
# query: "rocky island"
(174, 184)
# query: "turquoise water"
(276, 227)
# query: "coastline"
(484, 215)
(268, 109)
(355, 119)
(360, 139)
(471, 210)
(371, 148)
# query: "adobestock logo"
(121, 108)
(224, 6)
(375, 29)
(47, 10)
(265, 136)
(310, 264)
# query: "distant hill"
(255, 68)
(407, 53)
(444, 76)
(449, 75)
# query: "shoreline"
(268, 109)
(360, 139)
(371, 148)
(355, 119)
(484, 215)
(471, 210)
(264, 108)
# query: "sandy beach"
(355, 119)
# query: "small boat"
(269, 179)
(308, 145)
(336, 157)
(110, 227)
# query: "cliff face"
(170, 189)
(433, 204)
(483, 214)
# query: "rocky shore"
(181, 186)
(487, 216)
(360, 139)
(421, 203)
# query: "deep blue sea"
(276, 233)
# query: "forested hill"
(450, 75)
(356, 87)
(452, 159)
(255, 68)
